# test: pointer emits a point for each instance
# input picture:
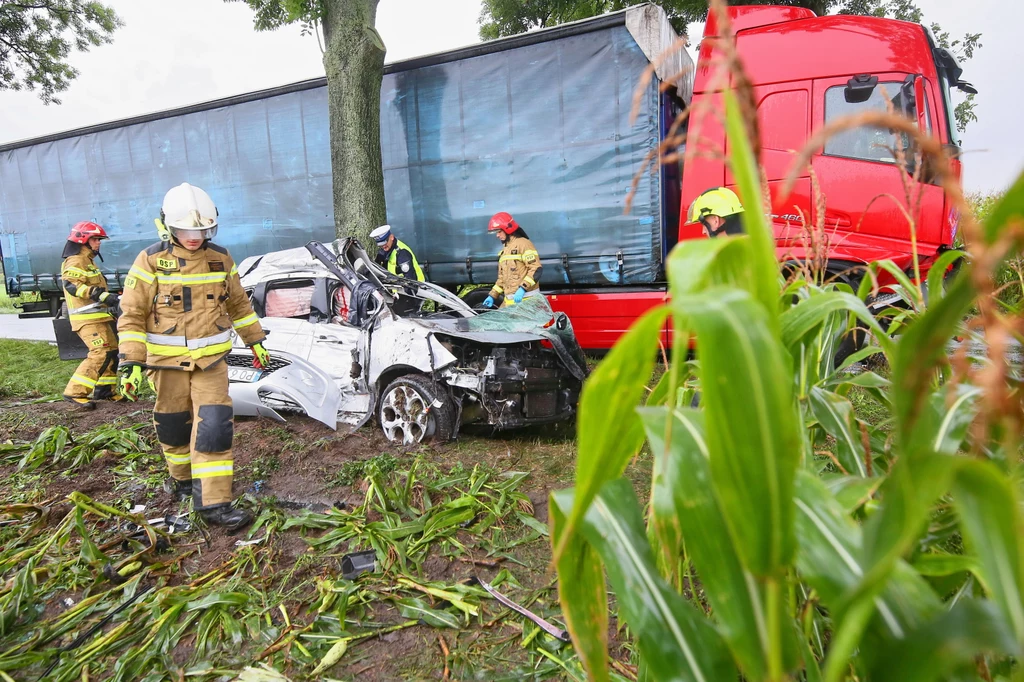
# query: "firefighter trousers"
(193, 418)
(97, 374)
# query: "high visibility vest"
(393, 261)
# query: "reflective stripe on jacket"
(518, 266)
(180, 308)
(393, 262)
(83, 283)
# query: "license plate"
(243, 375)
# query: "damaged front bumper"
(290, 384)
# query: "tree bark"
(354, 62)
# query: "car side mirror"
(859, 88)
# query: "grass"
(32, 369)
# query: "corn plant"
(785, 536)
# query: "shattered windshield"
(534, 316)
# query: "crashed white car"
(350, 341)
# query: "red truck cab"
(806, 72)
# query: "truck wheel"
(475, 298)
(412, 412)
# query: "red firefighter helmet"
(504, 222)
(82, 232)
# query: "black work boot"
(225, 515)
(82, 403)
(107, 393)
(180, 490)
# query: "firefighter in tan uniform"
(182, 303)
(518, 265)
(89, 311)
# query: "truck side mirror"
(966, 87)
(859, 88)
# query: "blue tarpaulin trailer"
(538, 125)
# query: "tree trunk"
(354, 62)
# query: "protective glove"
(110, 300)
(261, 358)
(488, 302)
(130, 379)
(518, 296)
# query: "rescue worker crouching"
(90, 313)
(518, 264)
(395, 255)
(182, 300)
(719, 211)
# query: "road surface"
(33, 329)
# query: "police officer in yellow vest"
(518, 264)
(182, 304)
(89, 311)
(395, 255)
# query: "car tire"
(412, 411)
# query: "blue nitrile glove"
(488, 302)
(518, 296)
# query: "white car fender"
(401, 342)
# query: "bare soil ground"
(301, 464)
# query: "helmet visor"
(194, 233)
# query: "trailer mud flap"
(69, 346)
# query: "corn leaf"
(764, 283)
(811, 313)
(608, 430)
(835, 414)
(947, 643)
(937, 275)
(990, 514)
(675, 640)
(1008, 209)
(685, 505)
(416, 608)
(584, 598)
(753, 427)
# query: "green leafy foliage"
(36, 39)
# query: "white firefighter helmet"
(189, 213)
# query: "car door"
(338, 349)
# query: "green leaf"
(696, 264)
(218, 599)
(764, 283)
(949, 641)
(954, 419)
(686, 505)
(753, 427)
(937, 275)
(836, 416)
(1008, 209)
(920, 350)
(608, 429)
(584, 597)
(416, 608)
(991, 519)
(810, 313)
(675, 640)
(830, 559)
(939, 565)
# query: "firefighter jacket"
(179, 308)
(518, 266)
(84, 284)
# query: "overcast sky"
(170, 54)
